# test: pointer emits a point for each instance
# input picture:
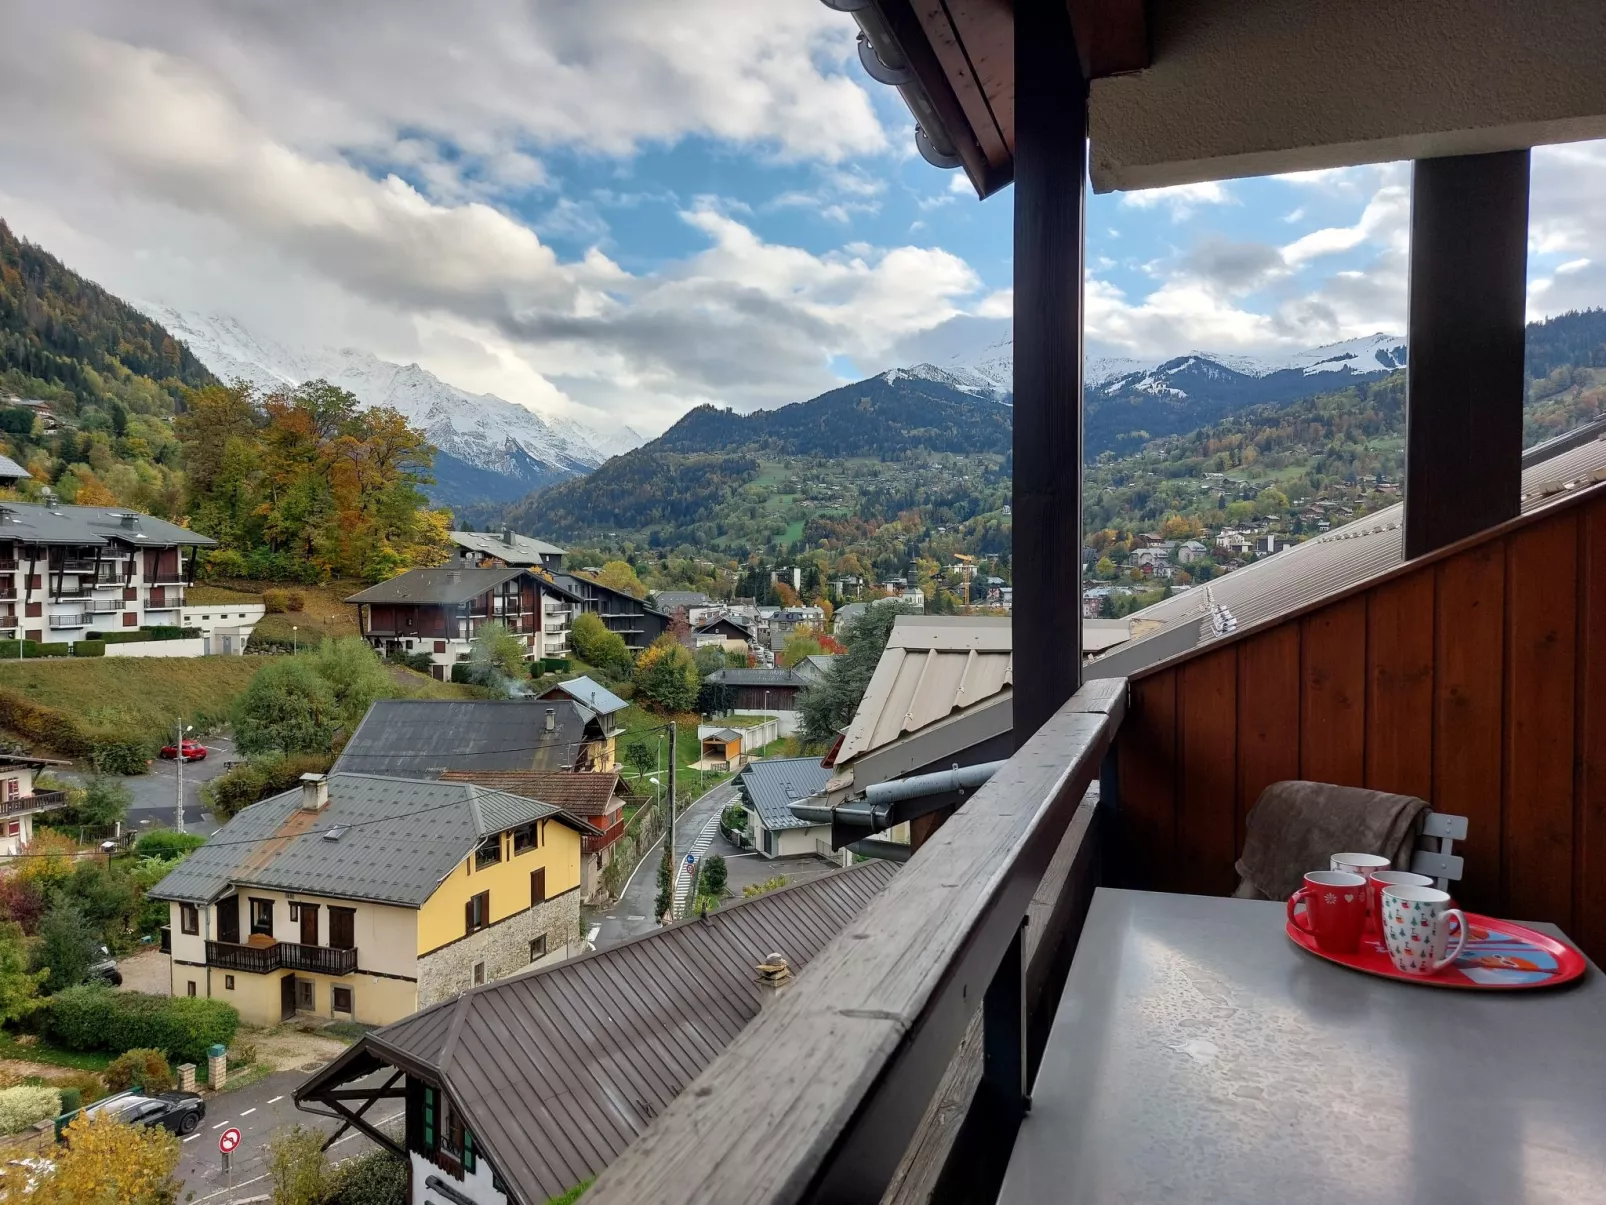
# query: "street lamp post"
(295, 639)
(182, 729)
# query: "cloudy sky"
(622, 209)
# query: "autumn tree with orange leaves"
(306, 484)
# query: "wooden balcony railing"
(281, 956)
(39, 801)
(592, 845)
(940, 991)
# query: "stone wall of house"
(503, 947)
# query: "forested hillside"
(296, 485)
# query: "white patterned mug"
(1416, 928)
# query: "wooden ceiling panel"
(975, 42)
(1112, 36)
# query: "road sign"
(690, 861)
(229, 1140)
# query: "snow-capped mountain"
(1129, 401)
(989, 371)
(496, 437)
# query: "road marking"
(276, 1100)
(220, 1125)
(192, 1138)
(248, 1112)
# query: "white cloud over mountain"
(398, 177)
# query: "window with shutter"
(537, 886)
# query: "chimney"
(551, 719)
(507, 536)
(130, 521)
(453, 575)
(314, 792)
(773, 976)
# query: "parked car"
(104, 969)
(193, 751)
(181, 1112)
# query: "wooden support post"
(1469, 260)
(1050, 170)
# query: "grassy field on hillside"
(133, 698)
(326, 613)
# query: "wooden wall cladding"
(1476, 680)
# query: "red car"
(193, 751)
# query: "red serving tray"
(1500, 956)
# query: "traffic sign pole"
(227, 1141)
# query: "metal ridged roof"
(773, 785)
(507, 546)
(1308, 572)
(423, 738)
(934, 666)
(33, 522)
(558, 1070)
(589, 694)
(432, 587)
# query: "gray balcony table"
(1198, 1056)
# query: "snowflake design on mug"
(1331, 897)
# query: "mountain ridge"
(489, 449)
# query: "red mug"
(1335, 909)
(1379, 881)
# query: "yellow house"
(363, 898)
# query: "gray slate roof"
(755, 677)
(772, 786)
(512, 548)
(590, 694)
(724, 734)
(404, 837)
(422, 738)
(437, 586)
(34, 523)
(11, 469)
(558, 1070)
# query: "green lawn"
(41, 1051)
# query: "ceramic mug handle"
(1293, 917)
(1460, 936)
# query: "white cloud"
(167, 174)
(1180, 199)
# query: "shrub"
(54, 648)
(20, 1107)
(298, 1169)
(275, 602)
(71, 1100)
(167, 843)
(113, 756)
(146, 1070)
(94, 1017)
(419, 662)
(89, 1087)
(288, 707)
(377, 1178)
(222, 563)
(89, 648)
(712, 877)
(295, 601)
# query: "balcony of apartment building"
(164, 598)
(1061, 995)
(263, 956)
(62, 621)
(8, 590)
(39, 801)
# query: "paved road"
(257, 1111)
(632, 915)
(156, 793)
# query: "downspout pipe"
(877, 811)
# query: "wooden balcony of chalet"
(901, 1065)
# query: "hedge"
(89, 648)
(22, 1106)
(167, 843)
(95, 1017)
(54, 648)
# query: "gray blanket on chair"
(1295, 827)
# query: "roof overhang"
(1183, 91)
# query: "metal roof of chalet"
(588, 793)
(438, 586)
(423, 738)
(774, 785)
(505, 545)
(559, 1069)
(671, 600)
(35, 523)
(398, 839)
(934, 666)
(11, 469)
(1304, 573)
(589, 694)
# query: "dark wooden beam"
(1050, 167)
(1469, 260)
(1112, 36)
